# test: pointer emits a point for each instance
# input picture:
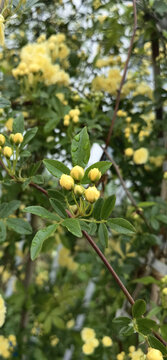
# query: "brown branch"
(123, 76)
(129, 195)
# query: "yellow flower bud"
(154, 354)
(75, 119)
(92, 194)
(18, 138)
(11, 137)
(94, 174)
(67, 117)
(129, 152)
(7, 151)
(2, 139)
(106, 341)
(66, 182)
(165, 175)
(77, 173)
(79, 190)
(66, 122)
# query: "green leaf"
(40, 211)
(55, 194)
(139, 308)
(58, 322)
(7, 209)
(103, 235)
(122, 321)
(97, 208)
(146, 204)
(56, 168)
(80, 148)
(162, 218)
(145, 326)
(39, 238)
(51, 124)
(107, 207)
(73, 226)
(29, 136)
(103, 166)
(4, 102)
(127, 330)
(155, 343)
(121, 225)
(20, 226)
(18, 124)
(146, 280)
(58, 207)
(2, 231)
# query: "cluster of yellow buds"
(72, 182)
(73, 115)
(121, 113)
(7, 151)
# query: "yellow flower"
(87, 334)
(128, 119)
(66, 182)
(154, 354)
(79, 190)
(77, 173)
(2, 139)
(2, 311)
(121, 356)
(164, 291)
(7, 151)
(121, 113)
(70, 324)
(140, 156)
(132, 348)
(94, 174)
(92, 194)
(2, 37)
(54, 340)
(12, 339)
(106, 341)
(165, 175)
(75, 119)
(88, 348)
(129, 152)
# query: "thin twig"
(129, 195)
(123, 76)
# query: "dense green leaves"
(80, 148)
(56, 168)
(121, 225)
(39, 238)
(139, 308)
(4, 103)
